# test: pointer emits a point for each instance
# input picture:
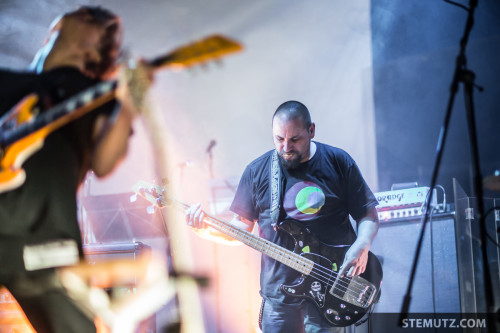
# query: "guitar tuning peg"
(152, 190)
(133, 197)
(150, 209)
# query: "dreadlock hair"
(111, 42)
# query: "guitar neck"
(63, 113)
(287, 257)
(209, 48)
(201, 51)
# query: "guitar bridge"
(354, 290)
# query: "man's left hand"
(356, 258)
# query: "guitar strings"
(342, 284)
(324, 275)
(315, 272)
(328, 277)
(285, 251)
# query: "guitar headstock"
(139, 76)
(155, 194)
(209, 48)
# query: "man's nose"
(286, 146)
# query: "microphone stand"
(211, 159)
(211, 145)
(461, 74)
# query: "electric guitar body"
(342, 301)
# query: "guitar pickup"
(354, 290)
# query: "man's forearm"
(356, 258)
(368, 228)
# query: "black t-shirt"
(44, 207)
(321, 193)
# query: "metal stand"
(461, 74)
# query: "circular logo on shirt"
(303, 200)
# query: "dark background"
(415, 44)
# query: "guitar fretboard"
(71, 105)
(287, 257)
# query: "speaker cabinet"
(435, 288)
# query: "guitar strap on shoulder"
(275, 189)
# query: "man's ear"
(312, 130)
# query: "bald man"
(320, 186)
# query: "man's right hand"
(195, 216)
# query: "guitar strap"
(275, 189)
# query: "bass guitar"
(23, 131)
(342, 301)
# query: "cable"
(431, 233)
(431, 240)
(444, 198)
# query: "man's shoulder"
(331, 150)
(15, 86)
(69, 76)
(7, 73)
(258, 168)
(261, 160)
(65, 76)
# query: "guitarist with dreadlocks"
(38, 220)
(318, 186)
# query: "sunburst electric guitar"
(23, 131)
(342, 301)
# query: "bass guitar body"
(341, 301)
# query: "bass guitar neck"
(342, 300)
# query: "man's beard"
(292, 163)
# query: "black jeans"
(285, 318)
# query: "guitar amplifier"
(121, 250)
(103, 252)
(399, 205)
